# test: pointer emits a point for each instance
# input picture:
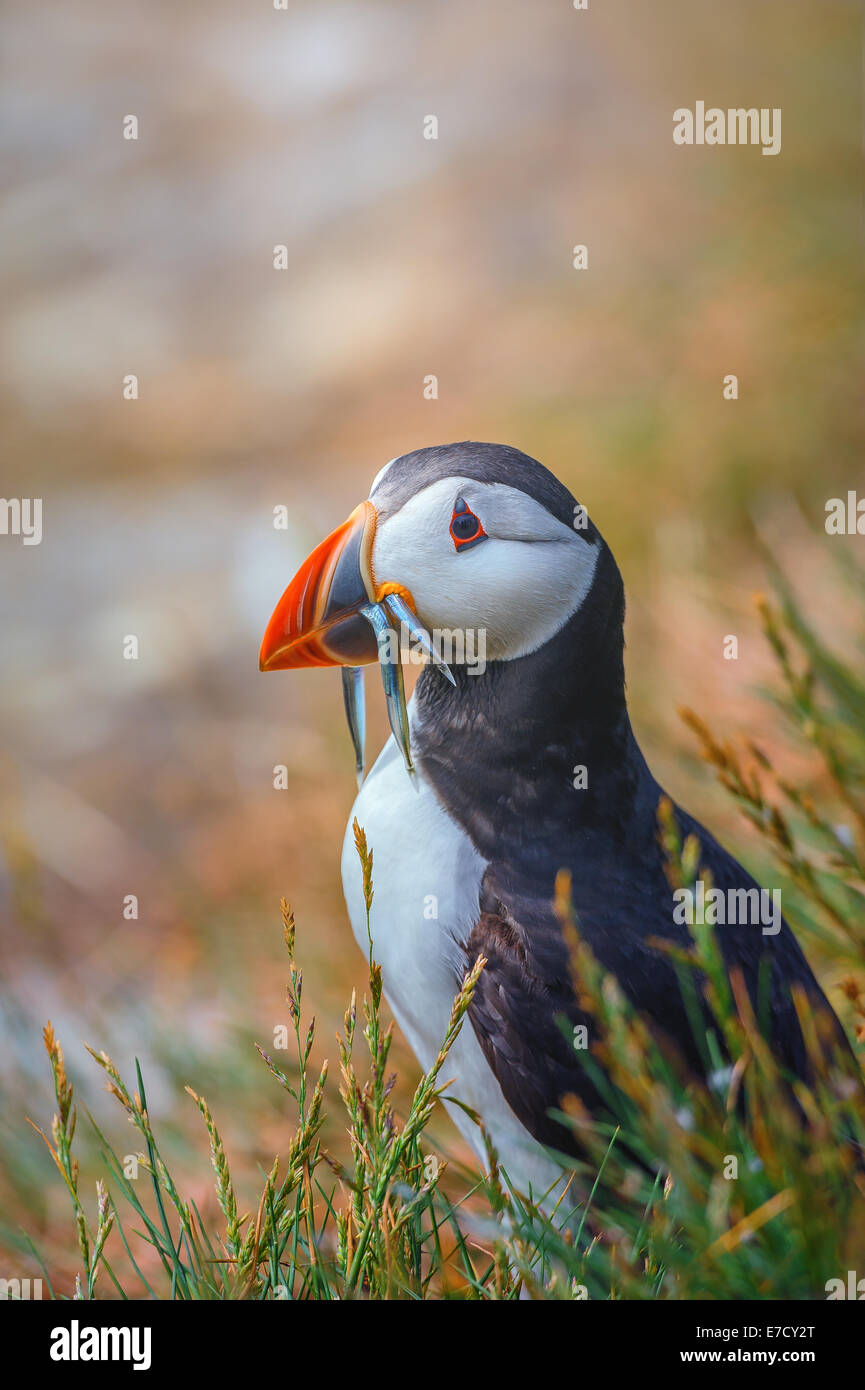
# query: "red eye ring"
(465, 528)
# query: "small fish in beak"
(354, 700)
(333, 614)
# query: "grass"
(751, 1188)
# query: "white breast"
(427, 876)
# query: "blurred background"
(261, 387)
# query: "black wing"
(621, 900)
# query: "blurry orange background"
(258, 388)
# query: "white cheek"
(518, 593)
(523, 592)
(414, 548)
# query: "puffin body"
(428, 878)
(523, 765)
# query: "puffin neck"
(503, 749)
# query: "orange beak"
(318, 621)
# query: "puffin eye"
(465, 528)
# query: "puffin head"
(472, 546)
(471, 538)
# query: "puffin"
(514, 760)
